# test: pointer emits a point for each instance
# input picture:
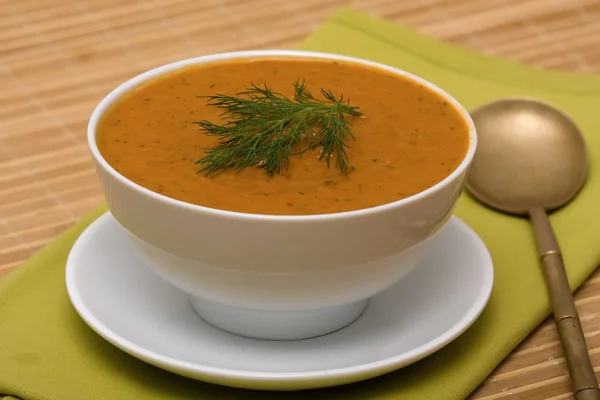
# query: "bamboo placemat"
(59, 58)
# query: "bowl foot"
(277, 325)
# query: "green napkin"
(47, 352)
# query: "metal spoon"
(531, 159)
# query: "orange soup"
(407, 139)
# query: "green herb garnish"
(264, 128)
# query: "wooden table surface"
(59, 58)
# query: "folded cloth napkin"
(48, 353)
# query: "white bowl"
(270, 276)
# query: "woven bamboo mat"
(59, 58)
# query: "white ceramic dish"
(134, 309)
(278, 277)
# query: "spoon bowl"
(530, 155)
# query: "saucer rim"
(262, 380)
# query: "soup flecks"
(408, 139)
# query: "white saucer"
(134, 309)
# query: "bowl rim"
(139, 79)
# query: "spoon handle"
(583, 379)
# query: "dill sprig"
(264, 128)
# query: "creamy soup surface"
(408, 139)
